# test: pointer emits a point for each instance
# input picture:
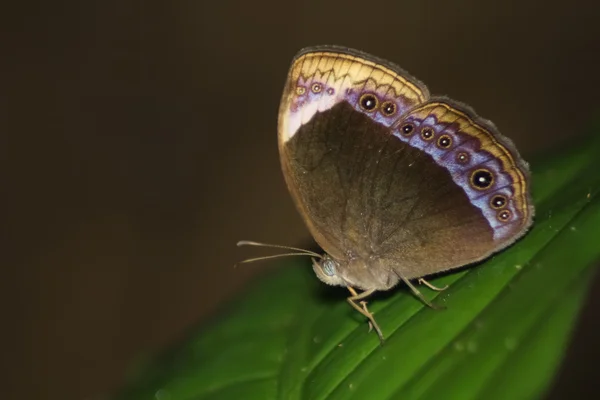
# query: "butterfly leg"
(363, 308)
(363, 304)
(420, 295)
(432, 287)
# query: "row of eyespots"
(498, 202)
(481, 179)
(443, 142)
(316, 88)
(369, 103)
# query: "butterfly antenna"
(297, 251)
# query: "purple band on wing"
(476, 171)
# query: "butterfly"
(392, 183)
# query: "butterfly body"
(394, 185)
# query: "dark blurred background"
(139, 144)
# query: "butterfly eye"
(368, 102)
(504, 215)
(444, 142)
(407, 129)
(329, 267)
(388, 108)
(427, 133)
(462, 158)
(498, 201)
(482, 179)
(316, 88)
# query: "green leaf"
(502, 335)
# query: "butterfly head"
(326, 269)
(355, 272)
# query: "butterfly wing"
(476, 201)
(311, 138)
(380, 173)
